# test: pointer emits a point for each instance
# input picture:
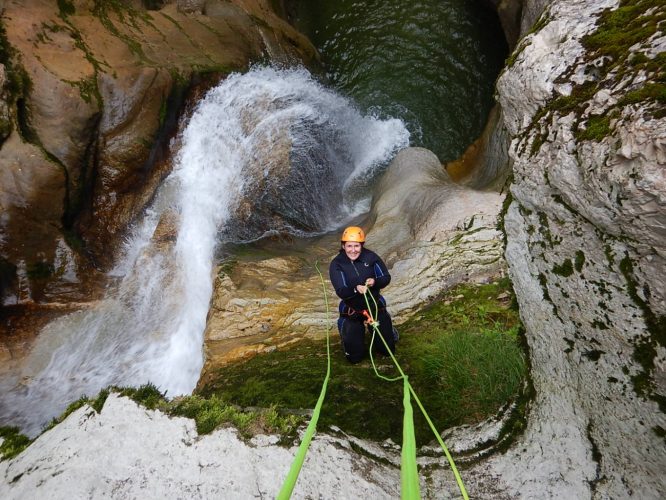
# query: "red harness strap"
(370, 320)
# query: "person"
(355, 271)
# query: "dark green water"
(432, 63)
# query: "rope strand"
(409, 470)
(297, 464)
(408, 487)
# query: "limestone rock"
(585, 248)
(128, 451)
(432, 233)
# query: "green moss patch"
(13, 442)
(645, 348)
(580, 260)
(66, 8)
(40, 270)
(126, 15)
(634, 21)
(655, 91)
(597, 128)
(462, 356)
(565, 269)
(612, 60)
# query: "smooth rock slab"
(127, 451)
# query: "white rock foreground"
(126, 451)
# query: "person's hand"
(370, 282)
(361, 288)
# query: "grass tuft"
(13, 442)
(473, 373)
(462, 356)
(213, 412)
(147, 395)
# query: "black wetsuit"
(345, 275)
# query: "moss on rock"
(461, 353)
(645, 350)
(613, 58)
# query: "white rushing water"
(150, 325)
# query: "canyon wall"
(583, 101)
(91, 92)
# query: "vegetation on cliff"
(613, 62)
(461, 353)
(208, 414)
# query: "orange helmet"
(353, 233)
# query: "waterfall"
(269, 150)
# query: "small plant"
(13, 442)
(147, 395)
(213, 412)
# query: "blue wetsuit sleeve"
(382, 276)
(343, 288)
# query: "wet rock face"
(431, 233)
(5, 117)
(89, 95)
(586, 252)
(191, 6)
(288, 187)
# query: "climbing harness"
(408, 470)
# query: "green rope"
(409, 473)
(292, 475)
(372, 342)
(409, 470)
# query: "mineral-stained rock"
(32, 191)
(96, 89)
